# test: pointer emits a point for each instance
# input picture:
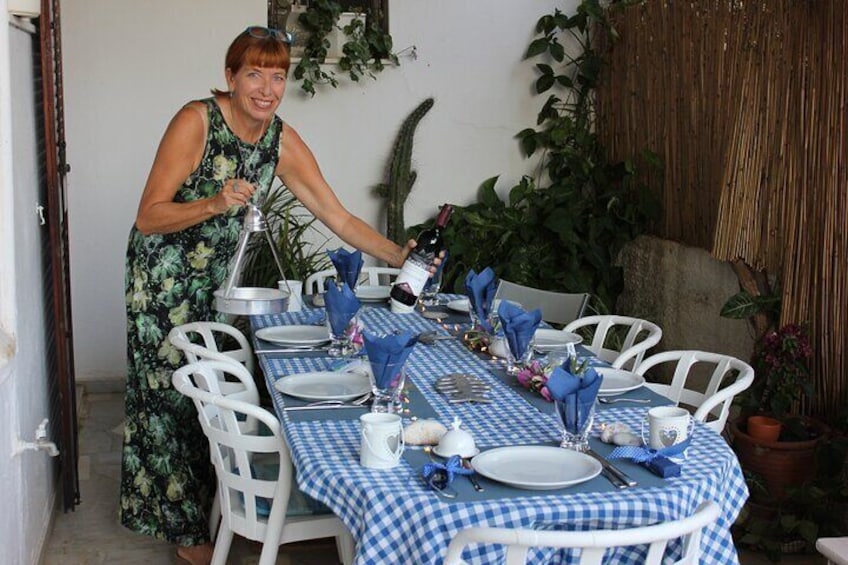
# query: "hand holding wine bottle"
(416, 269)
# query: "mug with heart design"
(382, 440)
(667, 426)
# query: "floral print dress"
(167, 481)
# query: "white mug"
(667, 426)
(382, 440)
(295, 291)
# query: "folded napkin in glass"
(574, 395)
(348, 265)
(387, 355)
(519, 326)
(656, 461)
(341, 304)
(481, 293)
(439, 475)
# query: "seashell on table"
(424, 432)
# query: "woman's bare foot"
(196, 554)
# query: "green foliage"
(291, 227)
(564, 234)
(366, 48)
(743, 305)
(401, 177)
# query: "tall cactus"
(400, 175)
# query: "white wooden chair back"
(372, 276)
(713, 403)
(188, 337)
(556, 307)
(641, 336)
(594, 544)
(235, 448)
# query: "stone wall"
(682, 289)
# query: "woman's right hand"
(235, 192)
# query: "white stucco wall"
(130, 65)
(28, 491)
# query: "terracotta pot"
(764, 428)
(782, 464)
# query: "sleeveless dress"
(167, 480)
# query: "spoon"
(604, 400)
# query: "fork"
(355, 402)
(604, 400)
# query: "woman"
(213, 157)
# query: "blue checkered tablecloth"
(393, 517)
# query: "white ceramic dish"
(546, 340)
(324, 385)
(618, 381)
(445, 454)
(460, 305)
(372, 293)
(536, 467)
(306, 336)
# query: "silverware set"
(613, 474)
(462, 387)
(361, 402)
(605, 400)
(466, 464)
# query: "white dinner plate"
(324, 385)
(536, 467)
(461, 305)
(618, 381)
(295, 335)
(546, 340)
(372, 293)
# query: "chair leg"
(346, 547)
(215, 515)
(222, 546)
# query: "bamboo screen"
(745, 101)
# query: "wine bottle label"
(412, 278)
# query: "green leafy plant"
(562, 230)
(367, 46)
(292, 229)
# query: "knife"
(323, 407)
(613, 470)
(293, 350)
(616, 482)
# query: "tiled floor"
(91, 534)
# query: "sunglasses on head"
(260, 32)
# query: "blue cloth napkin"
(574, 395)
(519, 326)
(387, 354)
(348, 265)
(438, 475)
(341, 304)
(481, 292)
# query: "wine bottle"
(415, 270)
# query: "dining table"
(395, 517)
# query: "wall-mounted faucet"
(40, 444)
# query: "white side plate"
(546, 340)
(324, 385)
(618, 381)
(295, 335)
(461, 305)
(372, 293)
(536, 467)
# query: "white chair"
(254, 470)
(641, 336)
(373, 276)
(556, 307)
(834, 549)
(594, 543)
(721, 387)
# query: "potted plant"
(787, 458)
